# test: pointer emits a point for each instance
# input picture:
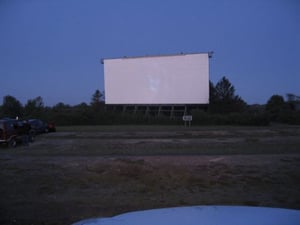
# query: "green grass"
(114, 128)
(163, 140)
(61, 177)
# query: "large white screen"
(176, 79)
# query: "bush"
(292, 117)
(203, 118)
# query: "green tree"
(11, 107)
(34, 108)
(62, 114)
(223, 98)
(224, 90)
(61, 107)
(97, 100)
(275, 104)
(293, 101)
(276, 107)
(212, 92)
(84, 113)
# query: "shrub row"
(102, 117)
(246, 119)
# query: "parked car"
(9, 133)
(38, 126)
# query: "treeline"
(225, 108)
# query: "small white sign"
(187, 118)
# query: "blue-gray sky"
(52, 48)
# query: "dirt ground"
(46, 183)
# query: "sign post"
(187, 118)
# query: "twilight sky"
(53, 48)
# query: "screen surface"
(175, 79)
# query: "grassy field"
(96, 171)
(166, 140)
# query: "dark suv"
(38, 126)
(9, 133)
